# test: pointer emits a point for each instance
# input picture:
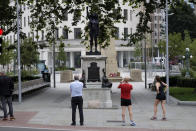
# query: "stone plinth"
(136, 75)
(66, 76)
(97, 98)
(92, 66)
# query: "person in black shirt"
(161, 89)
(6, 90)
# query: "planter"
(66, 76)
(30, 83)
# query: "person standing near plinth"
(126, 100)
(76, 100)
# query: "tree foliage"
(183, 18)
(61, 55)
(29, 53)
(177, 44)
(7, 56)
(7, 17)
(109, 12)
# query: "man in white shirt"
(76, 100)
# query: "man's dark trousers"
(7, 100)
(77, 101)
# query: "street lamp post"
(19, 68)
(187, 59)
(167, 53)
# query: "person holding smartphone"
(161, 89)
(126, 100)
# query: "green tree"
(7, 56)
(193, 53)
(7, 17)
(29, 53)
(138, 51)
(176, 45)
(182, 19)
(61, 56)
(44, 11)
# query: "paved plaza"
(51, 108)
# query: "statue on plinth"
(94, 30)
(83, 79)
(105, 81)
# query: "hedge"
(26, 78)
(180, 81)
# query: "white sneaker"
(132, 123)
(123, 123)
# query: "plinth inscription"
(93, 72)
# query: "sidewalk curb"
(178, 102)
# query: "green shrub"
(62, 68)
(25, 73)
(194, 68)
(183, 72)
(172, 80)
(186, 82)
(24, 78)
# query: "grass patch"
(183, 94)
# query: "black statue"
(105, 81)
(94, 28)
(83, 79)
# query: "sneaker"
(132, 123)
(73, 124)
(4, 119)
(164, 118)
(12, 118)
(153, 118)
(123, 123)
(81, 124)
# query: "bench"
(29, 86)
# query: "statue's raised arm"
(87, 12)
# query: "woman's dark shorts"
(125, 102)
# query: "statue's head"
(94, 16)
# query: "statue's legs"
(91, 43)
(95, 39)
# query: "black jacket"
(6, 86)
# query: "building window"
(10, 39)
(78, 14)
(155, 41)
(32, 35)
(28, 35)
(155, 18)
(65, 15)
(28, 20)
(42, 35)
(77, 60)
(131, 13)
(14, 38)
(125, 14)
(57, 33)
(24, 21)
(155, 26)
(65, 33)
(24, 6)
(125, 33)
(77, 33)
(21, 22)
(131, 31)
(117, 33)
(155, 33)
